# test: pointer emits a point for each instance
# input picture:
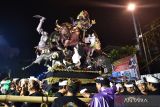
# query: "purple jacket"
(105, 98)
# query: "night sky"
(113, 22)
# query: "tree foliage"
(116, 54)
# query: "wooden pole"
(32, 99)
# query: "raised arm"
(39, 27)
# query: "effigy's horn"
(57, 25)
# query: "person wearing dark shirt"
(131, 89)
(121, 90)
(142, 87)
(12, 90)
(153, 85)
(34, 90)
(84, 92)
(58, 94)
(62, 88)
(70, 100)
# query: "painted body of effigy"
(72, 50)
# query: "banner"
(126, 68)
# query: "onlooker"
(70, 100)
(142, 87)
(120, 89)
(153, 85)
(34, 90)
(12, 90)
(84, 92)
(24, 87)
(131, 89)
(62, 88)
(5, 85)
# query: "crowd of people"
(66, 95)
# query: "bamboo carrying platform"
(32, 99)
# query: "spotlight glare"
(131, 7)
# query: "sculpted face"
(64, 30)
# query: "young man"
(120, 89)
(70, 100)
(34, 90)
(153, 85)
(142, 87)
(131, 89)
(105, 97)
(85, 94)
(62, 88)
